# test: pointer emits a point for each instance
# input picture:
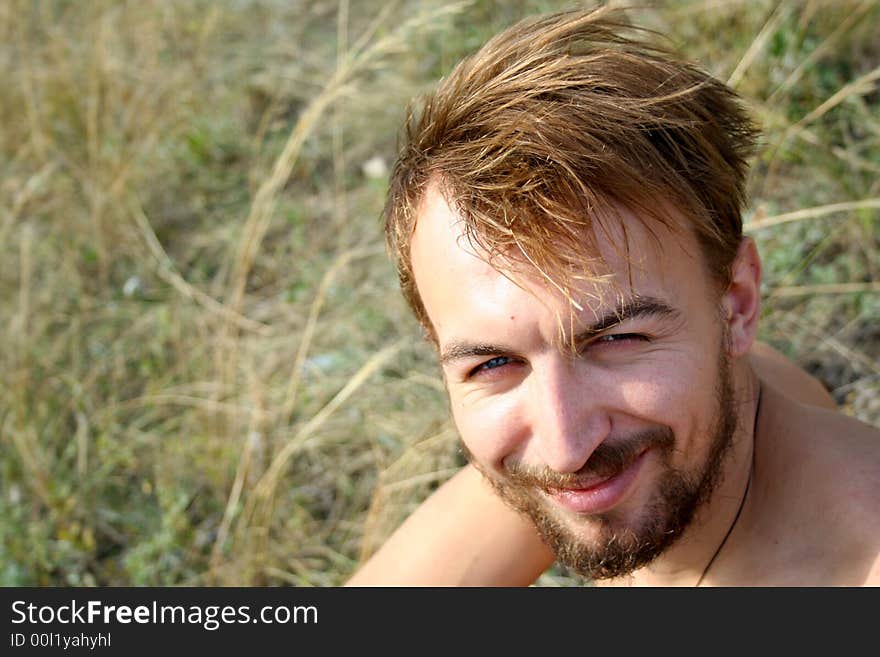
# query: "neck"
(692, 560)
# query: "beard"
(620, 546)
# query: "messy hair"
(540, 137)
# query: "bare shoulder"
(851, 444)
(826, 490)
(818, 437)
(862, 496)
(844, 454)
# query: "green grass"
(208, 374)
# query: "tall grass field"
(207, 373)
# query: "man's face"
(609, 447)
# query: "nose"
(568, 417)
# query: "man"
(566, 220)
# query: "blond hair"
(556, 122)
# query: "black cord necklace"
(742, 502)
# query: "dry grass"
(209, 376)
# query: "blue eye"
(493, 363)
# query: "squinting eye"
(621, 337)
(491, 364)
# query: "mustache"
(608, 459)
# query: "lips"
(598, 495)
(586, 485)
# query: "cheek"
(679, 393)
(492, 429)
(658, 394)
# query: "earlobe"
(742, 300)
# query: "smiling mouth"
(593, 496)
(605, 480)
(581, 487)
(593, 479)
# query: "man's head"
(540, 136)
(566, 220)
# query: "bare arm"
(463, 535)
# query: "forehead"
(457, 284)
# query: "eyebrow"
(636, 307)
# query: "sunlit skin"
(798, 495)
(521, 397)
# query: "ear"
(741, 303)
